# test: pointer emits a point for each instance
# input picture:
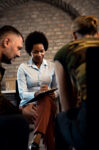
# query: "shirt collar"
(31, 63)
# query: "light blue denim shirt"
(30, 78)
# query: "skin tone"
(10, 47)
(38, 53)
(97, 35)
(30, 112)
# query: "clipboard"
(41, 94)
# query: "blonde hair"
(85, 25)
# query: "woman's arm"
(24, 93)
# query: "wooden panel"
(10, 83)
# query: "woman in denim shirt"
(35, 76)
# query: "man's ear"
(5, 42)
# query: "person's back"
(71, 61)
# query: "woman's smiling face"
(38, 53)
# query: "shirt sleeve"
(24, 93)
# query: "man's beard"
(6, 60)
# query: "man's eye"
(19, 48)
(41, 51)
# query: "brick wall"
(53, 17)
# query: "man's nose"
(18, 54)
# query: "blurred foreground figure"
(70, 65)
(14, 128)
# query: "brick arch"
(73, 8)
(5, 4)
(67, 7)
(76, 7)
(64, 5)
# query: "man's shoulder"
(61, 52)
(85, 42)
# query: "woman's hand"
(44, 87)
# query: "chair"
(18, 99)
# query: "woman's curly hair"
(35, 37)
(85, 25)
